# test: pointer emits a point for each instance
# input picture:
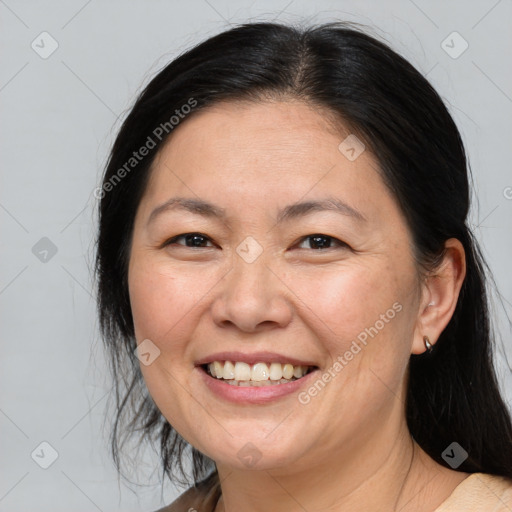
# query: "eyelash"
(341, 244)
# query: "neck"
(377, 475)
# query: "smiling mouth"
(260, 374)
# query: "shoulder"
(480, 491)
(202, 497)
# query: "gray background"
(59, 118)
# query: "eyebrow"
(292, 211)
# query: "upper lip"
(253, 358)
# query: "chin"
(256, 451)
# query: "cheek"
(163, 299)
(346, 300)
(162, 302)
(363, 315)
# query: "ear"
(440, 292)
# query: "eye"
(193, 240)
(316, 241)
(319, 242)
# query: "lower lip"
(253, 394)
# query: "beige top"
(479, 492)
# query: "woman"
(283, 235)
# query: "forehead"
(281, 129)
(263, 152)
(245, 135)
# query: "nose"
(252, 298)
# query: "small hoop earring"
(428, 345)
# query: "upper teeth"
(256, 372)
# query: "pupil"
(195, 240)
(320, 242)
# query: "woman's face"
(255, 286)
